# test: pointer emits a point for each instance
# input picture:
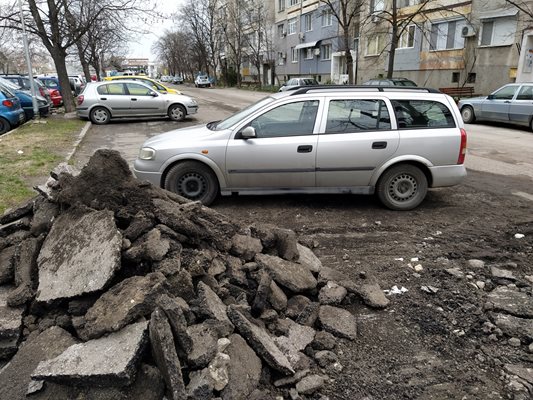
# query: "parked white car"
(202, 81)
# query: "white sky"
(141, 46)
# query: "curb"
(82, 134)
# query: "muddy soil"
(424, 345)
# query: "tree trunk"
(349, 58)
(394, 40)
(59, 61)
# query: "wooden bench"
(458, 91)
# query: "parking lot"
(425, 345)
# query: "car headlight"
(146, 153)
(193, 102)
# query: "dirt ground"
(424, 345)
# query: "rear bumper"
(447, 175)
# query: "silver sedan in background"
(511, 103)
(102, 101)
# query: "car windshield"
(235, 118)
(310, 82)
(9, 84)
(6, 92)
(406, 83)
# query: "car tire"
(100, 116)
(176, 112)
(402, 187)
(467, 113)
(5, 126)
(192, 180)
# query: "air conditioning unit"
(301, 35)
(317, 52)
(468, 31)
(284, 33)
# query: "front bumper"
(153, 177)
(192, 110)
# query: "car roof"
(358, 89)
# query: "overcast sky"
(141, 48)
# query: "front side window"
(348, 116)
(294, 119)
(447, 35)
(525, 93)
(307, 22)
(327, 18)
(138, 90)
(292, 26)
(498, 31)
(506, 93)
(416, 114)
(407, 39)
(326, 52)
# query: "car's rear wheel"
(5, 126)
(177, 112)
(467, 113)
(100, 115)
(402, 187)
(192, 180)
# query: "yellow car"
(150, 82)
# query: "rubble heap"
(112, 288)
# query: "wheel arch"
(418, 162)
(197, 158)
(7, 123)
(91, 108)
(177, 103)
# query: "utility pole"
(28, 63)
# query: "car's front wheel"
(467, 113)
(192, 180)
(100, 115)
(177, 112)
(402, 187)
(4, 126)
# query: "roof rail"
(361, 88)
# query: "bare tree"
(526, 6)
(234, 16)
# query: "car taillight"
(80, 99)
(462, 149)
(7, 103)
(55, 93)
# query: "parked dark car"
(24, 83)
(11, 113)
(390, 82)
(54, 88)
(26, 102)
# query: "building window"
(294, 2)
(325, 52)
(447, 35)
(292, 26)
(309, 53)
(308, 22)
(407, 3)
(377, 6)
(498, 31)
(294, 55)
(455, 77)
(471, 78)
(407, 40)
(327, 18)
(281, 58)
(375, 44)
(281, 5)
(281, 30)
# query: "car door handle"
(133, 99)
(379, 145)
(305, 149)
(103, 98)
(507, 101)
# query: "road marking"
(524, 195)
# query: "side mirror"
(248, 132)
(153, 94)
(490, 96)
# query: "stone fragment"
(43, 217)
(520, 371)
(476, 264)
(80, 255)
(510, 301)
(296, 340)
(277, 298)
(26, 262)
(332, 294)
(514, 326)
(210, 304)
(92, 362)
(309, 314)
(266, 233)
(15, 377)
(20, 296)
(286, 244)
(124, 303)
(10, 323)
(262, 293)
(177, 320)
(23, 210)
(200, 386)
(7, 265)
(372, 295)
(204, 345)
(235, 271)
(291, 380)
(150, 247)
(456, 272)
(324, 341)
(181, 285)
(217, 267)
(296, 305)
(164, 352)
(499, 273)
(245, 247)
(260, 341)
(310, 384)
(218, 371)
(140, 225)
(244, 370)
(326, 358)
(329, 274)
(338, 322)
(291, 275)
(308, 258)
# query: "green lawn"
(29, 154)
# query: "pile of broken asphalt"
(111, 288)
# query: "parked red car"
(52, 85)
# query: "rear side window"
(51, 84)
(416, 114)
(348, 116)
(111, 88)
(6, 93)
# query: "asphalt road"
(496, 149)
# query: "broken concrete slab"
(277, 298)
(520, 371)
(308, 258)
(93, 364)
(500, 273)
(10, 318)
(291, 275)
(173, 309)
(371, 293)
(260, 341)
(310, 384)
(204, 344)
(287, 244)
(244, 370)
(7, 265)
(124, 303)
(510, 301)
(210, 304)
(514, 326)
(15, 377)
(164, 352)
(295, 341)
(200, 386)
(338, 321)
(14, 214)
(26, 262)
(245, 247)
(150, 247)
(332, 294)
(44, 214)
(80, 254)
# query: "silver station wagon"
(395, 142)
(102, 101)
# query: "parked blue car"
(26, 100)
(11, 113)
